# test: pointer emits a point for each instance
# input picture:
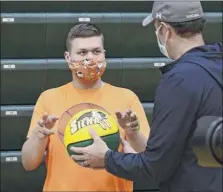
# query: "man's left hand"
(92, 156)
(128, 121)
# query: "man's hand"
(35, 146)
(127, 147)
(128, 121)
(44, 126)
(93, 156)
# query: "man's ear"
(172, 33)
(67, 57)
(167, 29)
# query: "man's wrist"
(131, 134)
(36, 135)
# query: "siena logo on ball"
(89, 118)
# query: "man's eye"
(82, 53)
(97, 51)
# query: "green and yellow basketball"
(74, 124)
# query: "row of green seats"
(91, 6)
(15, 121)
(23, 80)
(43, 35)
(15, 178)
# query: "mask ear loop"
(158, 38)
(165, 41)
(166, 36)
(156, 32)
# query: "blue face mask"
(162, 47)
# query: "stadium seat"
(76, 6)
(92, 6)
(124, 34)
(142, 76)
(15, 121)
(22, 80)
(22, 40)
(33, 76)
(15, 178)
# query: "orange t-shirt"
(63, 174)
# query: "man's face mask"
(162, 47)
(88, 70)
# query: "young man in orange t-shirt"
(86, 59)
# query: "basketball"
(74, 124)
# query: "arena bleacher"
(33, 38)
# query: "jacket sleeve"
(176, 105)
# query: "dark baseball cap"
(175, 11)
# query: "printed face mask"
(88, 70)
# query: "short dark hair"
(188, 28)
(83, 30)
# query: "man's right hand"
(34, 147)
(44, 126)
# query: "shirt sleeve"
(137, 107)
(38, 112)
(176, 105)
